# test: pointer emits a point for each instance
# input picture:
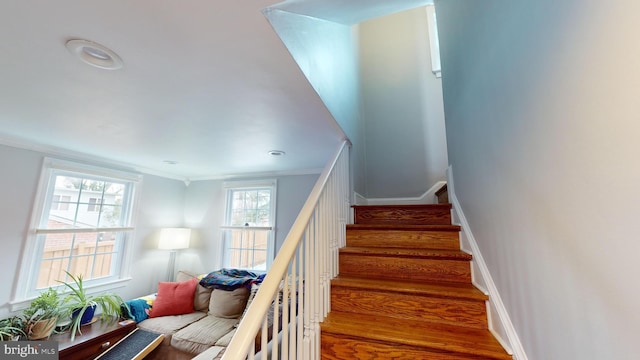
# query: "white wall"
(375, 78)
(161, 205)
(402, 106)
(204, 212)
(542, 128)
(327, 53)
(18, 183)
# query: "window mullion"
(78, 200)
(92, 257)
(253, 246)
(241, 249)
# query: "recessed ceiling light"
(276, 152)
(95, 54)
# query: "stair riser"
(402, 306)
(407, 216)
(383, 267)
(341, 347)
(445, 240)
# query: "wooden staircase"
(404, 290)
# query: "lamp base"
(171, 270)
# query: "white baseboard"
(499, 321)
(429, 197)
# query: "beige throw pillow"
(228, 304)
(202, 295)
(252, 294)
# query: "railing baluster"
(300, 303)
(309, 291)
(264, 340)
(275, 325)
(252, 351)
(293, 310)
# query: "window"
(94, 204)
(248, 230)
(433, 40)
(60, 202)
(81, 223)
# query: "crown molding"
(67, 154)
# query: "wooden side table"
(95, 339)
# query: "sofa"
(196, 319)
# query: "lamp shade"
(174, 238)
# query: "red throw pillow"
(174, 298)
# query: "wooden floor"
(165, 352)
(404, 290)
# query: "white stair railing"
(295, 294)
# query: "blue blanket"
(231, 279)
(135, 309)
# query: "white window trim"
(22, 293)
(21, 304)
(434, 44)
(248, 184)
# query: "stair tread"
(425, 288)
(407, 227)
(403, 252)
(440, 337)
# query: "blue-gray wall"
(542, 129)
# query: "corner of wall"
(500, 323)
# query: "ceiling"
(206, 91)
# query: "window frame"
(434, 43)
(25, 288)
(231, 186)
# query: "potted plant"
(81, 306)
(42, 314)
(12, 328)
